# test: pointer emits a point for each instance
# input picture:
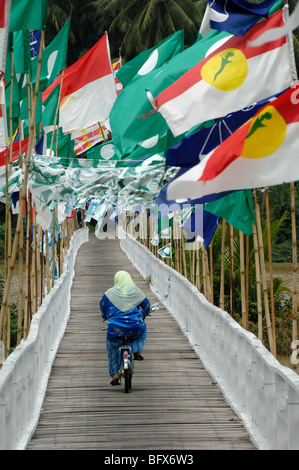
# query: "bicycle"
(126, 357)
(126, 362)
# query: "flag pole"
(258, 284)
(192, 253)
(198, 267)
(184, 266)
(56, 113)
(264, 280)
(28, 258)
(231, 262)
(294, 246)
(102, 132)
(222, 265)
(270, 266)
(204, 272)
(8, 165)
(247, 281)
(22, 192)
(242, 273)
(211, 272)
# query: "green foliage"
(282, 253)
(132, 25)
(280, 208)
(282, 295)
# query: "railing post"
(281, 413)
(293, 419)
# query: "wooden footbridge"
(174, 403)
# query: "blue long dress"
(122, 324)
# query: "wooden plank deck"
(173, 404)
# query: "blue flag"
(162, 200)
(39, 146)
(194, 147)
(35, 38)
(236, 16)
(201, 223)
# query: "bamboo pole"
(27, 283)
(258, 283)
(22, 193)
(102, 132)
(264, 279)
(43, 270)
(247, 281)
(62, 245)
(270, 267)
(38, 267)
(184, 265)
(204, 272)
(231, 262)
(7, 241)
(192, 264)
(211, 273)
(222, 266)
(53, 248)
(198, 268)
(242, 275)
(56, 114)
(294, 245)
(21, 256)
(206, 258)
(176, 245)
(47, 262)
(20, 303)
(33, 264)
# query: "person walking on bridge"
(124, 306)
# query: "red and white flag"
(87, 138)
(4, 24)
(116, 66)
(88, 89)
(261, 153)
(232, 76)
(4, 153)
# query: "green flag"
(102, 152)
(165, 251)
(50, 108)
(133, 118)
(151, 59)
(236, 208)
(63, 144)
(24, 109)
(21, 49)
(164, 226)
(28, 14)
(53, 60)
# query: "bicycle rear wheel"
(128, 380)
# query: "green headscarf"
(124, 295)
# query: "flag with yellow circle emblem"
(231, 76)
(261, 153)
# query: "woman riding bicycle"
(124, 306)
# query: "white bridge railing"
(263, 393)
(25, 373)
